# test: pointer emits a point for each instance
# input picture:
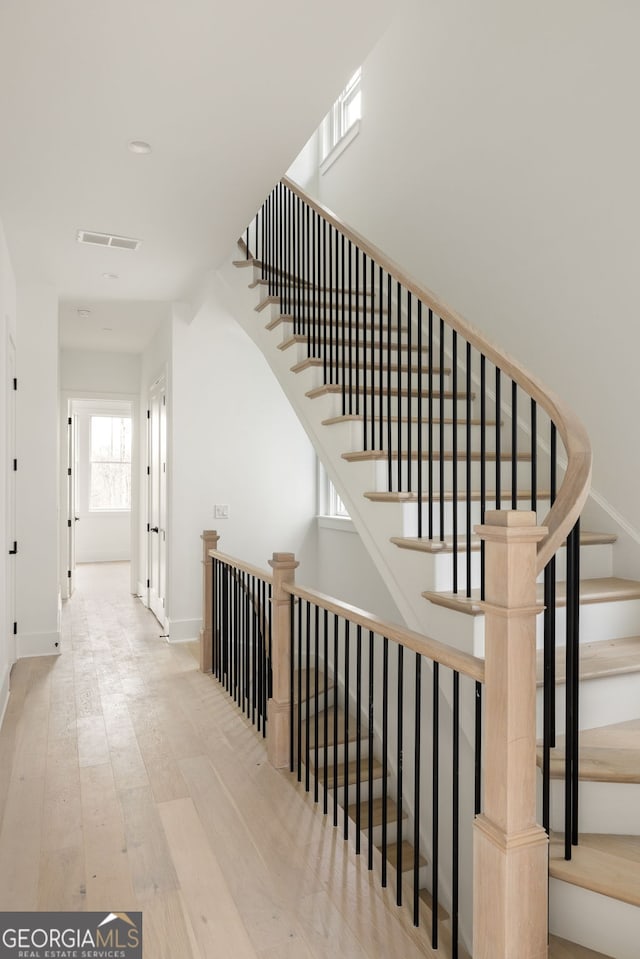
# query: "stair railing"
(407, 367)
(340, 681)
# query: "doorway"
(157, 499)
(100, 485)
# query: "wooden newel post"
(510, 862)
(209, 539)
(284, 566)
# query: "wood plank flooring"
(128, 780)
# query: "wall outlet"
(221, 512)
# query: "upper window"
(110, 463)
(342, 117)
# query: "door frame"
(159, 384)
(11, 494)
(66, 400)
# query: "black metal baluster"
(477, 806)
(534, 456)
(454, 461)
(335, 719)
(343, 320)
(435, 804)
(357, 364)
(400, 745)
(333, 362)
(315, 710)
(307, 666)
(514, 445)
(326, 712)
(350, 291)
(399, 383)
(346, 729)
(380, 357)
(389, 407)
(575, 639)
(268, 664)
(409, 396)
(385, 756)
(300, 690)
(441, 437)
(312, 292)
(483, 460)
(370, 768)
(498, 442)
(455, 812)
(292, 674)
(468, 476)
(416, 793)
(327, 295)
(430, 411)
(419, 423)
(358, 730)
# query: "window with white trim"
(110, 463)
(342, 117)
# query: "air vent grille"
(108, 239)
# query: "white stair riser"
(597, 922)
(605, 700)
(317, 377)
(596, 561)
(378, 354)
(379, 479)
(407, 520)
(352, 434)
(613, 620)
(609, 808)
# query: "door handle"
(77, 519)
(154, 529)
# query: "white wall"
(92, 371)
(235, 441)
(37, 587)
(7, 331)
(498, 161)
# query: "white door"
(12, 464)
(72, 486)
(157, 499)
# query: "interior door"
(157, 499)
(12, 465)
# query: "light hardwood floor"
(128, 780)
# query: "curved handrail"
(574, 490)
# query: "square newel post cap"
(511, 526)
(284, 561)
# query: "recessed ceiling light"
(111, 276)
(139, 146)
(84, 313)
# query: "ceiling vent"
(108, 239)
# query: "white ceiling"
(226, 93)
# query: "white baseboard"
(142, 592)
(4, 693)
(184, 630)
(38, 644)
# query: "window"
(336, 506)
(342, 119)
(110, 463)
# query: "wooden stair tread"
(607, 754)
(312, 684)
(330, 741)
(609, 657)
(447, 420)
(332, 306)
(296, 338)
(609, 865)
(424, 545)
(365, 456)
(315, 362)
(334, 388)
(602, 590)
(392, 813)
(427, 899)
(403, 497)
(563, 949)
(352, 772)
(407, 855)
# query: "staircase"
(415, 495)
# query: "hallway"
(128, 780)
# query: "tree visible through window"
(110, 463)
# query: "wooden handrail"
(574, 490)
(240, 564)
(438, 652)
